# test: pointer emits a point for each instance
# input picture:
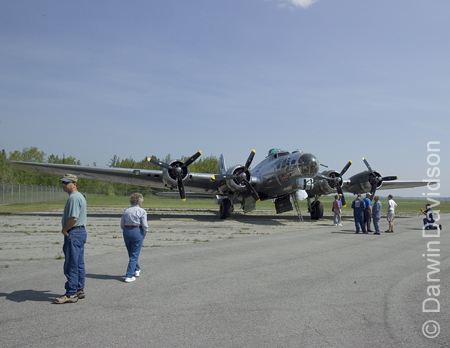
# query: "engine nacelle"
(235, 185)
(323, 187)
(169, 176)
(361, 182)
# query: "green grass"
(94, 200)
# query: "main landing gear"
(315, 209)
(226, 208)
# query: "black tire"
(317, 210)
(225, 209)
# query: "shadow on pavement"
(29, 295)
(105, 277)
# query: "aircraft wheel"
(225, 209)
(317, 210)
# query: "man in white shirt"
(391, 214)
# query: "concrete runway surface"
(257, 280)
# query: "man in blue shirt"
(367, 211)
(429, 220)
(358, 213)
(376, 214)
(74, 231)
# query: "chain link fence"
(12, 193)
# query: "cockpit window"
(277, 152)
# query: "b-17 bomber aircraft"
(282, 177)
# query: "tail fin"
(222, 165)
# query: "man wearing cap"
(367, 211)
(74, 231)
(358, 214)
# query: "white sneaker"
(340, 225)
(137, 273)
(129, 280)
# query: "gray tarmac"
(257, 280)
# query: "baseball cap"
(69, 178)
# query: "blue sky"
(341, 79)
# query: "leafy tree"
(3, 165)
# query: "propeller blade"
(373, 189)
(181, 188)
(252, 190)
(249, 160)
(192, 159)
(389, 178)
(158, 163)
(339, 191)
(368, 165)
(345, 168)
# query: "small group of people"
(134, 226)
(364, 213)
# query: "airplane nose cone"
(308, 164)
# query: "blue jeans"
(376, 224)
(359, 221)
(74, 268)
(429, 224)
(133, 237)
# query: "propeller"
(337, 180)
(178, 170)
(374, 179)
(241, 176)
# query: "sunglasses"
(66, 183)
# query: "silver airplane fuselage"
(283, 173)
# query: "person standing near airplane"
(376, 214)
(337, 211)
(391, 214)
(358, 213)
(134, 225)
(367, 211)
(75, 235)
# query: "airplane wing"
(189, 194)
(196, 182)
(348, 186)
(402, 184)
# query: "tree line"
(9, 174)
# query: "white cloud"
(301, 3)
